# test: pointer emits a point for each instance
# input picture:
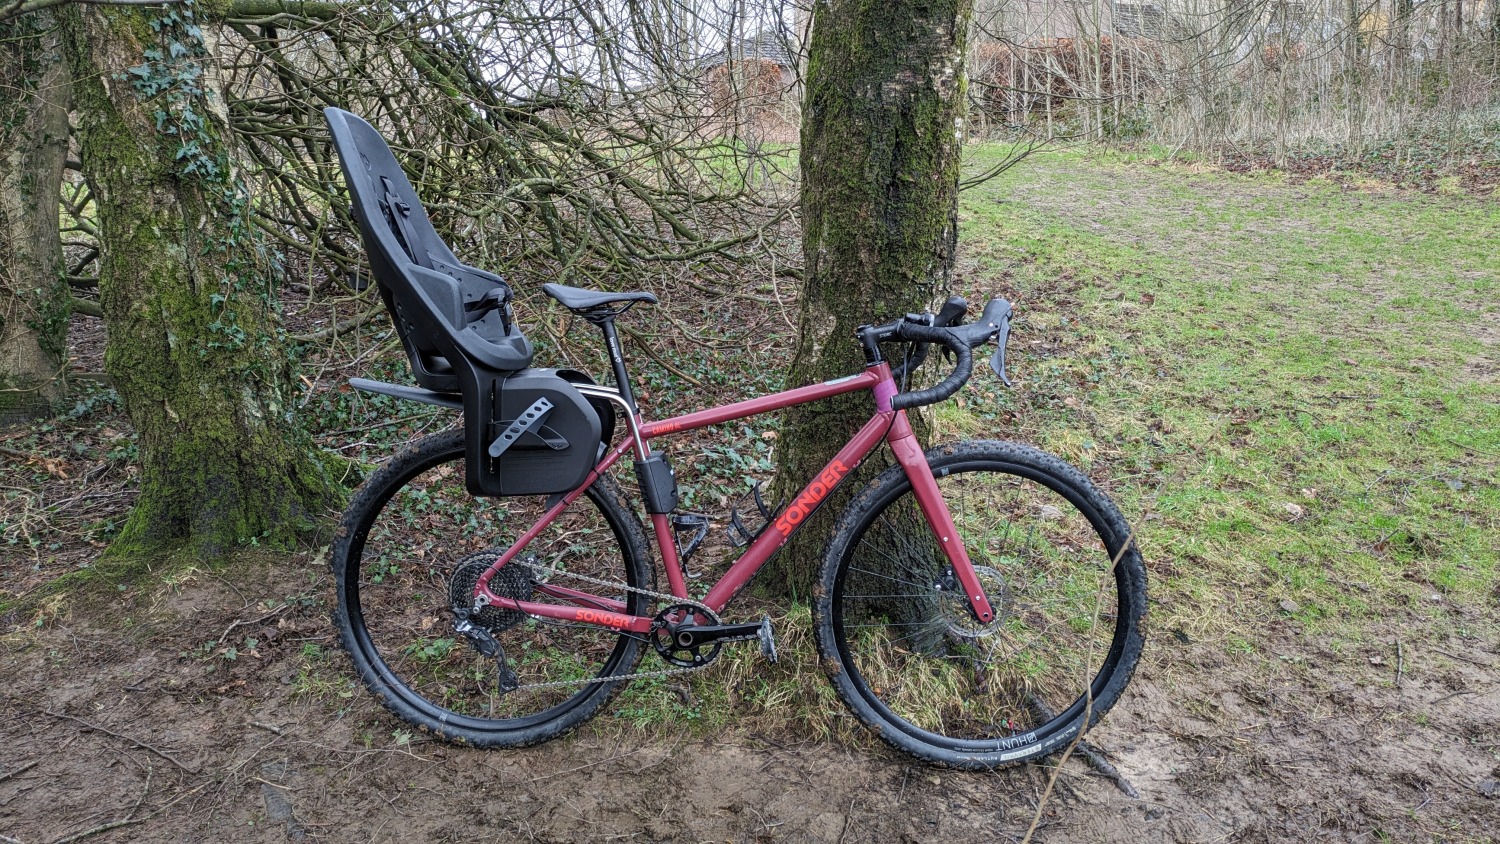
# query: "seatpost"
(617, 360)
(605, 319)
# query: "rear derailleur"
(481, 623)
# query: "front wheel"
(414, 540)
(1058, 563)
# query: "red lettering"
(810, 498)
(596, 617)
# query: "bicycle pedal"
(767, 640)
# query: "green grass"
(1291, 389)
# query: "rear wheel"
(414, 535)
(907, 655)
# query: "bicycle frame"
(886, 424)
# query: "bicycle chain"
(639, 675)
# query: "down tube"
(795, 515)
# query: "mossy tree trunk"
(880, 154)
(188, 292)
(34, 296)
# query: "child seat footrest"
(531, 420)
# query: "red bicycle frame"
(886, 424)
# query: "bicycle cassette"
(514, 581)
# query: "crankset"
(691, 636)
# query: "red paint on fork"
(930, 499)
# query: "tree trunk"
(34, 297)
(880, 155)
(188, 291)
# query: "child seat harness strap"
(396, 212)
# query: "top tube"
(870, 379)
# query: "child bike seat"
(443, 310)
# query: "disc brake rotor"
(954, 606)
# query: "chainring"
(664, 626)
(514, 581)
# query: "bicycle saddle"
(578, 299)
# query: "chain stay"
(481, 600)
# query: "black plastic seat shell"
(456, 326)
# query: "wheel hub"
(954, 606)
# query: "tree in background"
(544, 138)
(880, 160)
(34, 298)
(188, 289)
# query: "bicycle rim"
(410, 526)
(914, 661)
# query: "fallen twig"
(128, 820)
(267, 617)
(137, 742)
(21, 770)
(1469, 660)
(342, 327)
(1451, 696)
(1083, 724)
(1097, 761)
(104, 827)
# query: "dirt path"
(134, 721)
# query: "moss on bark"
(187, 288)
(880, 156)
(34, 298)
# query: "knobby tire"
(397, 547)
(908, 657)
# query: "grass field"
(1293, 389)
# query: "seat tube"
(930, 499)
(622, 384)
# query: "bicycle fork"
(909, 454)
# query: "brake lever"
(997, 360)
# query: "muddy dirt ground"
(122, 719)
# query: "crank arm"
(698, 635)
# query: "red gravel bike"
(978, 604)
